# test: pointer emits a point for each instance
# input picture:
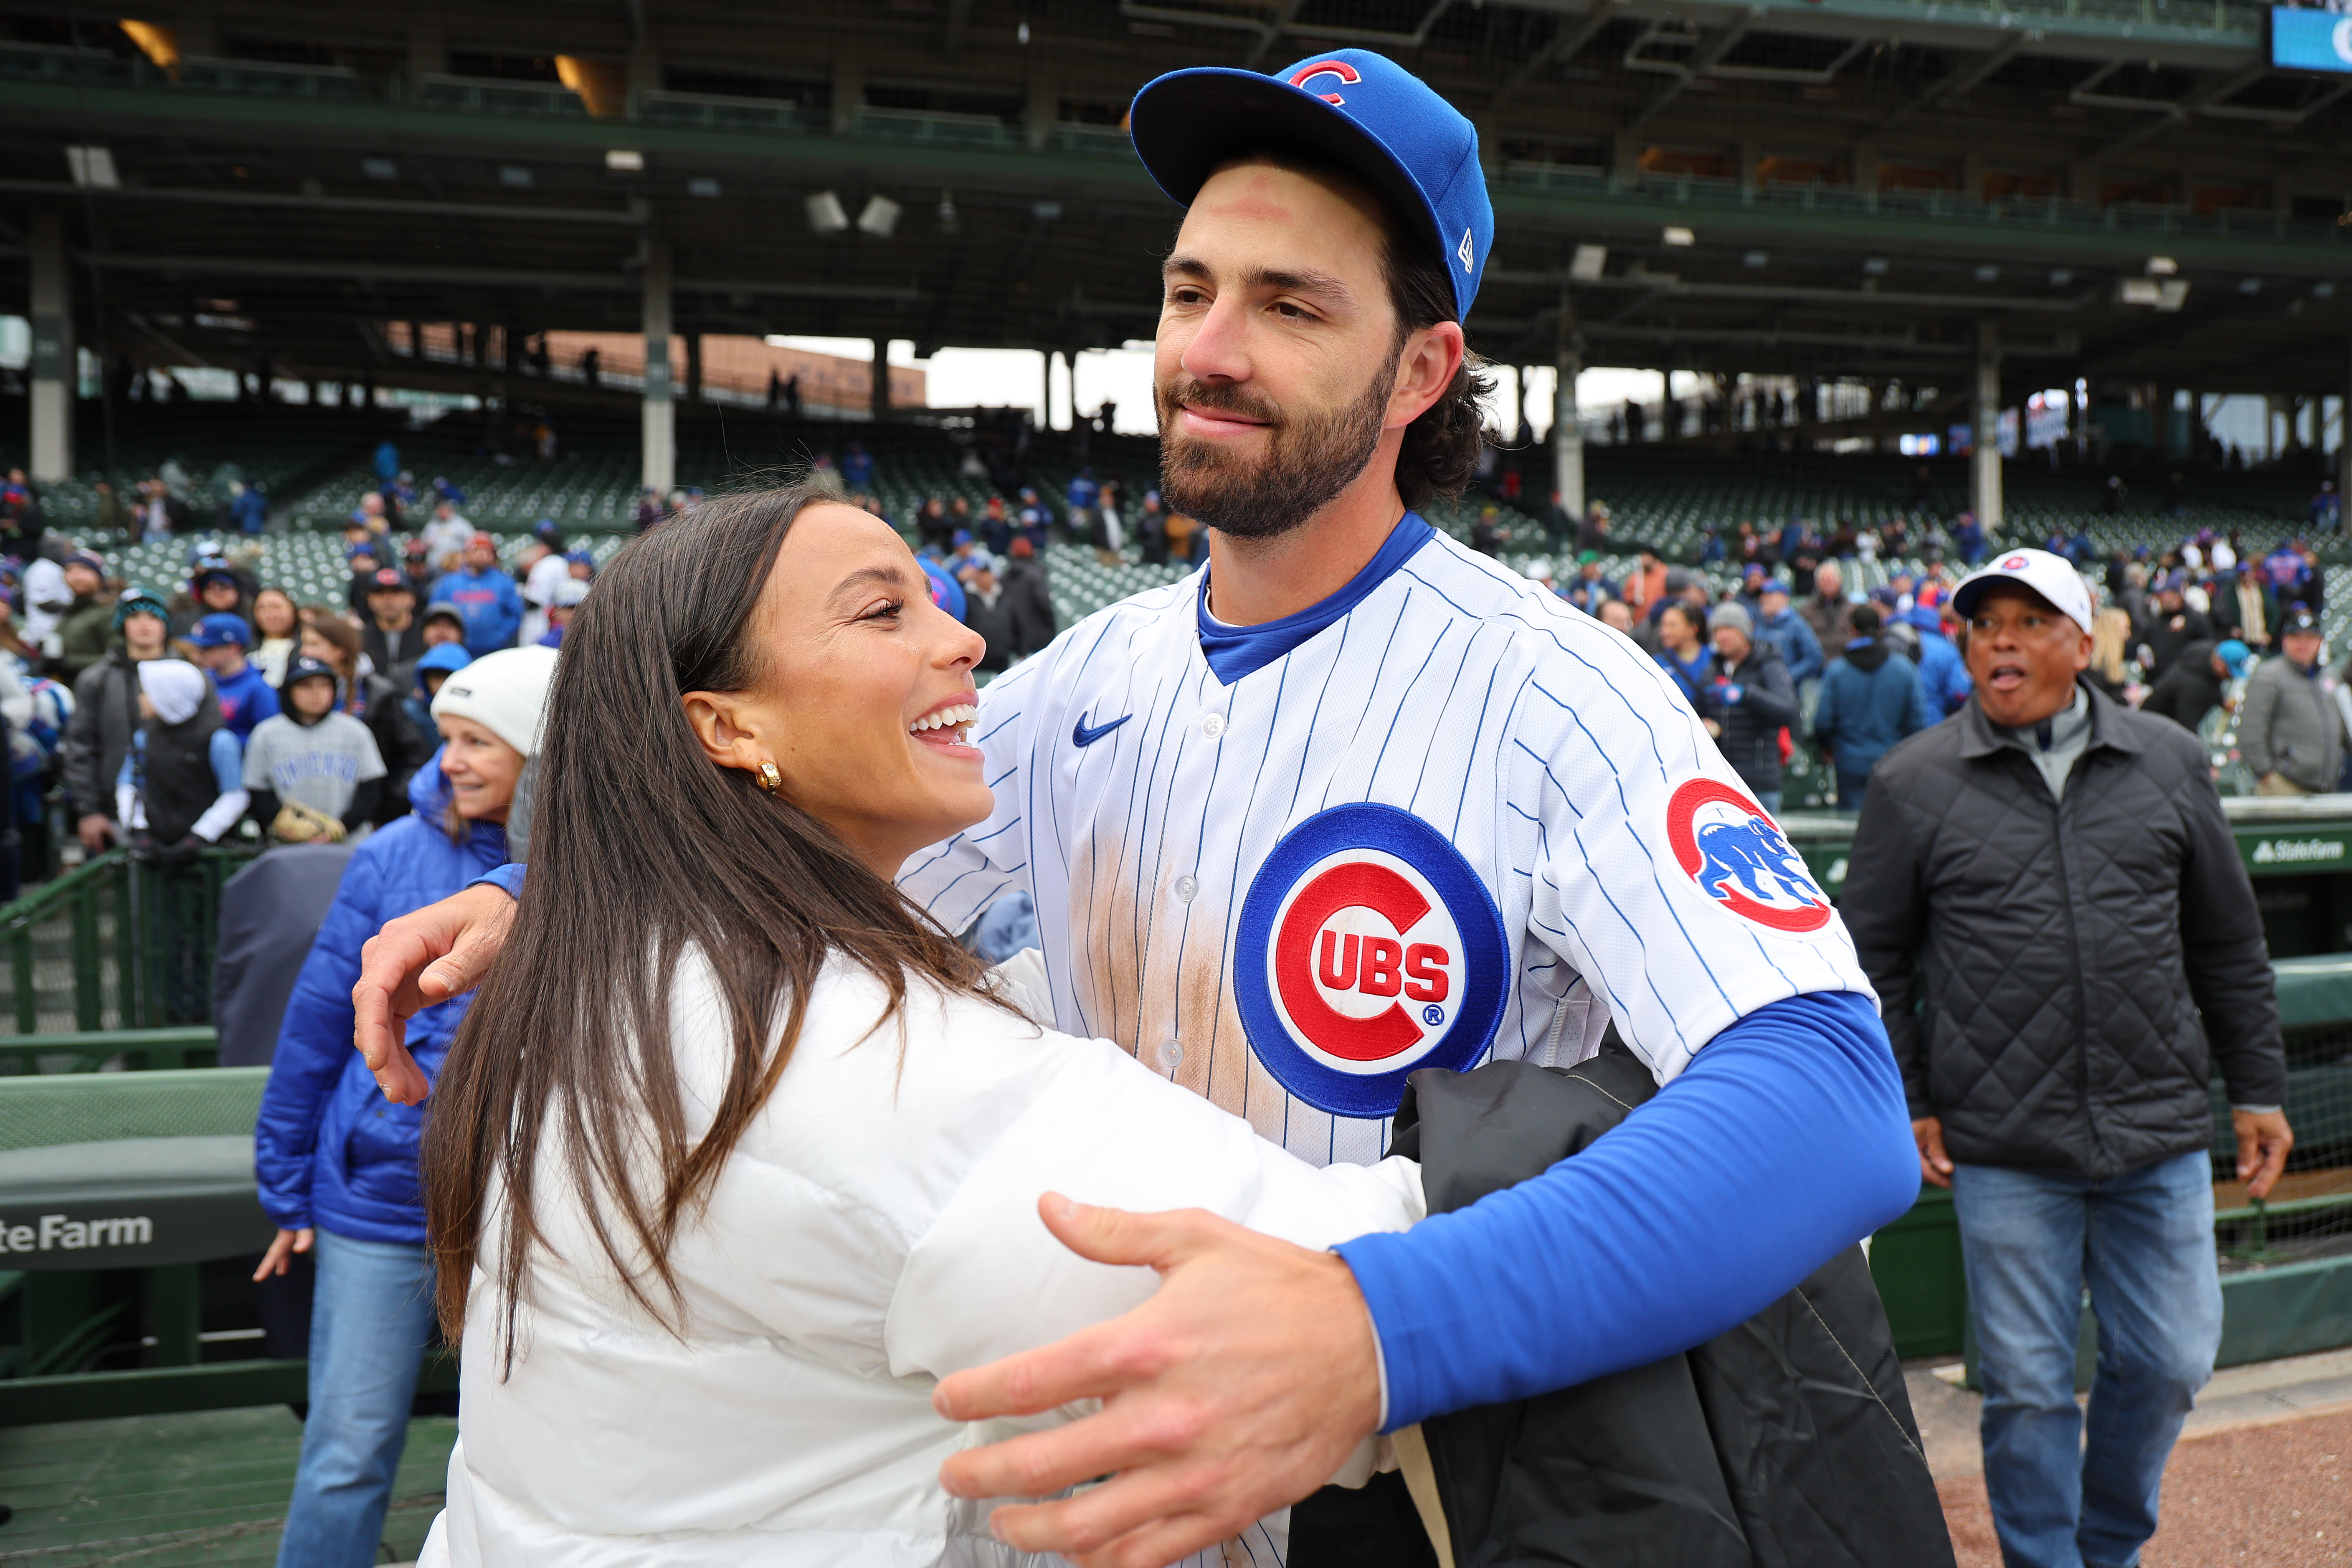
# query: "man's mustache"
(1211, 399)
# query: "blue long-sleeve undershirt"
(1785, 1139)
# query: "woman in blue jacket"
(336, 1162)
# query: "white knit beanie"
(175, 686)
(505, 692)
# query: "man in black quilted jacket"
(2064, 943)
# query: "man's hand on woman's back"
(442, 951)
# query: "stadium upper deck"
(1980, 197)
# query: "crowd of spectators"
(2200, 625)
(230, 710)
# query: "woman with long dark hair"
(737, 1152)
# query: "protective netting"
(43, 1111)
(2309, 1213)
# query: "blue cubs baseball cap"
(1362, 110)
(221, 631)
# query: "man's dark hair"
(1867, 622)
(1440, 456)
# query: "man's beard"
(1305, 463)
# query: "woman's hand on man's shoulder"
(416, 961)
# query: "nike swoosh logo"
(1082, 736)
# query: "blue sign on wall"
(2311, 40)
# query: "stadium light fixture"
(879, 217)
(1588, 262)
(1675, 234)
(161, 45)
(826, 214)
(2162, 266)
(93, 168)
(624, 161)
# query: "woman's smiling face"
(867, 701)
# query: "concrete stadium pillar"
(1567, 431)
(55, 366)
(658, 444)
(1984, 424)
(881, 372)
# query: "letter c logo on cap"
(1340, 68)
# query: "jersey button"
(1184, 888)
(1212, 725)
(1171, 1055)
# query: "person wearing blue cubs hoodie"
(335, 1161)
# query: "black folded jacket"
(1788, 1442)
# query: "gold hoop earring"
(769, 779)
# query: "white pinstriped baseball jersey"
(1459, 818)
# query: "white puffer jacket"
(875, 1230)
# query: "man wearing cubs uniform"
(1352, 803)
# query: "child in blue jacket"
(335, 1161)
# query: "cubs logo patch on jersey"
(1366, 947)
(1735, 853)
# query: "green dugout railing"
(2287, 1281)
(122, 941)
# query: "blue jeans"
(1851, 788)
(2143, 1242)
(1770, 799)
(370, 1319)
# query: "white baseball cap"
(2051, 576)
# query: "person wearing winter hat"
(178, 790)
(504, 693)
(214, 588)
(438, 663)
(442, 624)
(85, 628)
(245, 698)
(315, 757)
(106, 715)
(335, 1165)
(570, 594)
(180, 778)
(1746, 699)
